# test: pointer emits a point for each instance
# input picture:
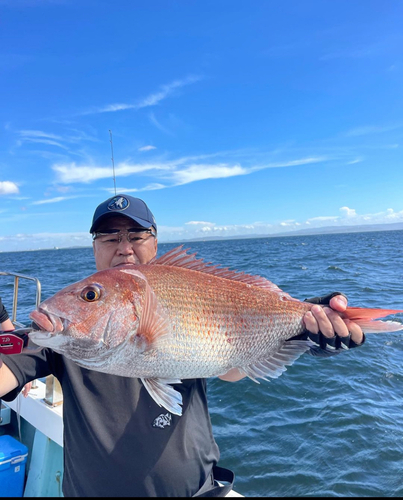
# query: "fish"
(179, 317)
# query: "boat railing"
(17, 278)
(54, 394)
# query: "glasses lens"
(112, 237)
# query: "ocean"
(327, 426)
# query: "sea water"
(327, 426)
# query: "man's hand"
(327, 321)
(27, 387)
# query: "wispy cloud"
(53, 200)
(202, 171)
(173, 173)
(70, 172)
(50, 139)
(147, 148)
(8, 187)
(49, 142)
(155, 122)
(150, 100)
(148, 187)
(371, 129)
(353, 162)
(371, 49)
(39, 133)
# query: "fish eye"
(91, 293)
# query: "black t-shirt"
(117, 440)
(3, 312)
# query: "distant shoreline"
(370, 228)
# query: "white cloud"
(147, 148)
(371, 129)
(148, 187)
(167, 90)
(71, 172)
(53, 200)
(201, 172)
(113, 107)
(155, 122)
(39, 133)
(322, 218)
(198, 223)
(295, 163)
(40, 137)
(8, 187)
(150, 100)
(352, 162)
(348, 212)
(37, 241)
(202, 229)
(49, 142)
(174, 172)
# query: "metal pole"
(113, 162)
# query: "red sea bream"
(178, 318)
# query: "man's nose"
(125, 246)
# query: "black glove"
(325, 346)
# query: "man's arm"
(7, 325)
(8, 381)
(5, 321)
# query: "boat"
(36, 422)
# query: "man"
(6, 324)
(117, 440)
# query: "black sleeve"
(27, 367)
(3, 312)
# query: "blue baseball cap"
(122, 204)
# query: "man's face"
(112, 254)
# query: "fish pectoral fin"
(276, 364)
(163, 394)
(155, 325)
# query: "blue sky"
(227, 117)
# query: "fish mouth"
(46, 322)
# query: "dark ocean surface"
(327, 426)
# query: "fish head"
(91, 318)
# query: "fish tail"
(365, 318)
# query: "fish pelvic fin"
(276, 364)
(365, 318)
(178, 257)
(164, 394)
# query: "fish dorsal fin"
(180, 258)
(276, 364)
(155, 325)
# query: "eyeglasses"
(113, 237)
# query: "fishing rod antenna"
(113, 161)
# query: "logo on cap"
(118, 203)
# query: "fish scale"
(236, 318)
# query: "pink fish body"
(179, 318)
